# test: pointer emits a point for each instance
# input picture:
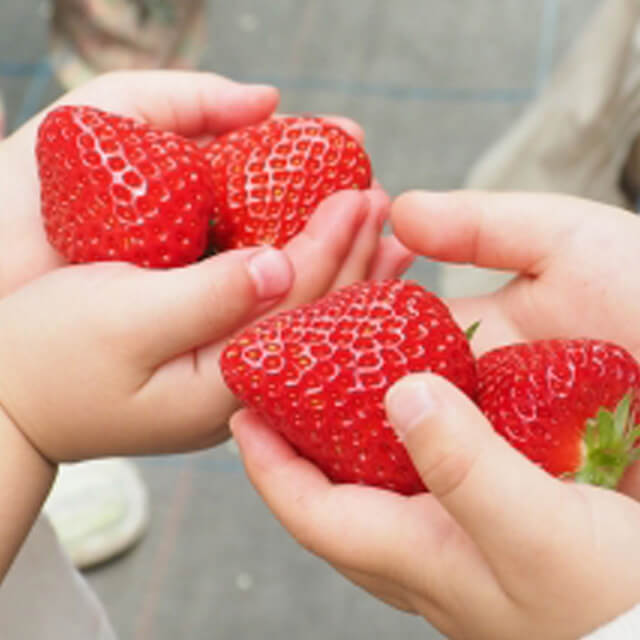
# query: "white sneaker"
(98, 509)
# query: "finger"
(362, 252)
(189, 103)
(496, 324)
(515, 232)
(379, 204)
(361, 530)
(185, 308)
(194, 380)
(477, 476)
(630, 483)
(333, 521)
(392, 259)
(315, 255)
(320, 250)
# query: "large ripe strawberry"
(318, 374)
(115, 189)
(268, 178)
(568, 405)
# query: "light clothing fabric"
(43, 597)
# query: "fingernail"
(271, 273)
(408, 403)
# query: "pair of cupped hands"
(111, 359)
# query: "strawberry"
(568, 405)
(115, 189)
(270, 177)
(318, 374)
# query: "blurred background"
(434, 83)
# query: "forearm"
(25, 480)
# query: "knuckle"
(226, 297)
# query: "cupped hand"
(192, 104)
(109, 358)
(196, 105)
(575, 266)
(575, 262)
(499, 550)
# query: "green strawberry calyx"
(610, 445)
(471, 331)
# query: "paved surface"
(433, 82)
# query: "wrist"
(25, 480)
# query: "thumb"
(475, 474)
(199, 304)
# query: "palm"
(194, 105)
(570, 296)
(467, 548)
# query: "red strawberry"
(318, 374)
(115, 189)
(560, 402)
(270, 177)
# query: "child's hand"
(196, 105)
(109, 358)
(499, 550)
(576, 263)
(112, 359)
(189, 103)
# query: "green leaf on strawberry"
(569, 405)
(610, 445)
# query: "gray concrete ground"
(433, 82)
